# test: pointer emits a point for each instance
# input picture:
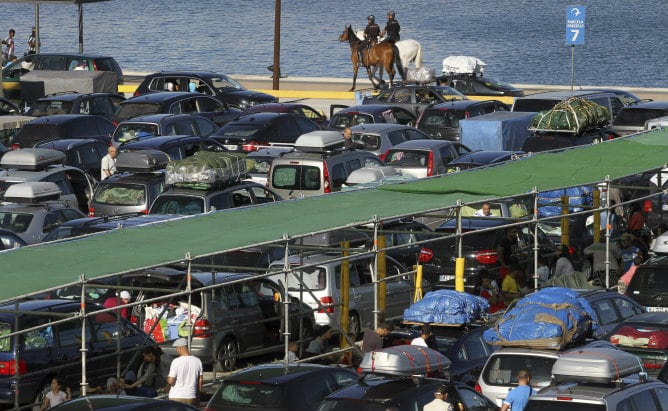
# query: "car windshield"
(449, 93)
(313, 278)
(407, 158)
(225, 84)
(248, 394)
(182, 205)
(34, 132)
(296, 177)
(16, 222)
(442, 118)
(120, 194)
(345, 404)
(534, 104)
(343, 120)
(126, 111)
(135, 131)
(494, 84)
(239, 130)
(503, 369)
(557, 405)
(49, 107)
(366, 141)
(61, 232)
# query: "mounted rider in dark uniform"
(371, 33)
(392, 29)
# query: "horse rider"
(392, 29)
(371, 33)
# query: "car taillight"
(430, 164)
(571, 250)
(426, 254)
(487, 257)
(647, 206)
(144, 211)
(478, 388)
(136, 93)
(95, 66)
(327, 302)
(115, 123)
(202, 328)
(648, 364)
(325, 177)
(383, 156)
(9, 367)
(15, 146)
(91, 212)
(564, 398)
(252, 146)
(467, 114)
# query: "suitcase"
(142, 161)
(595, 365)
(32, 159)
(32, 192)
(404, 360)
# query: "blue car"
(369, 113)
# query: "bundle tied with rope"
(574, 115)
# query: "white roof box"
(596, 365)
(463, 65)
(661, 245)
(370, 174)
(404, 360)
(32, 159)
(32, 192)
(319, 141)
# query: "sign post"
(575, 32)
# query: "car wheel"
(354, 325)
(226, 360)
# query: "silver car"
(424, 158)
(380, 137)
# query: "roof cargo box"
(404, 360)
(32, 159)
(32, 193)
(319, 141)
(501, 130)
(596, 365)
(142, 161)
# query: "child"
(55, 396)
(543, 271)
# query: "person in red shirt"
(490, 292)
(113, 301)
(636, 220)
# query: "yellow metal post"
(564, 221)
(418, 283)
(597, 215)
(459, 274)
(345, 294)
(381, 271)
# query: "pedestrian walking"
(8, 54)
(518, 397)
(440, 401)
(391, 29)
(32, 42)
(185, 378)
(108, 163)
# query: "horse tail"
(398, 63)
(418, 56)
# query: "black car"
(484, 158)
(415, 97)
(7, 107)
(219, 86)
(108, 402)
(63, 126)
(85, 154)
(177, 147)
(252, 131)
(9, 240)
(98, 104)
(295, 108)
(86, 226)
(175, 102)
(163, 124)
(649, 284)
(554, 140)
(126, 193)
(275, 387)
(442, 120)
(546, 101)
(369, 113)
(479, 85)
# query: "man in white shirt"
(485, 211)
(108, 164)
(425, 333)
(185, 379)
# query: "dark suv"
(547, 101)
(140, 128)
(98, 104)
(62, 126)
(49, 348)
(82, 153)
(176, 147)
(649, 284)
(126, 193)
(442, 120)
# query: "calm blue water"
(522, 41)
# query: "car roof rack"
(32, 159)
(33, 192)
(320, 141)
(404, 360)
(596, 365)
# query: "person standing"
(518, 397)
(564, 264)
(510, 287)
(348, 138)
(9, 50)
(32, 42)
(425, 334)
(440, 401)
(185, 378)
(391, 29)
(599, 255)
(373, 339)
(108, 164)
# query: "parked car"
(9, 240)
(546, 101)
(319, 165)
(48, 349)
(380, 137)
(424, 158)
(8, 108)
(173, 102)
(63, 126)
(223, 88)
(84, 154)
(97, 104)
(175, 146)
(297, 387)
(252, 131)
(40, 164)
(479, 85)
(626, 97)
(260, 162)
(322, 280)
(649, 284)
(441, 121)
(107, 402)
(547, 140)
(415, 97)
(139, 128)
(126, 193)
(368, 114)
(91, 225)
(484, 158)
(634, 117)
(646, 336)
(295, 108)
(188, 201)
(11, 73)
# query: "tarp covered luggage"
(420, 74)
(549, 202)
(501, 130)
(143, 161)
(551, 318)
(206, 168)
(463, 65)
(39, 83)
(447, 307)
(597, 365)
(573, 115)
(404, 360)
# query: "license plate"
(444, 277)
(656, 309)
(231, 147)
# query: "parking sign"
(575, 25)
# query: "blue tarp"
(447, 307)
(501, 130)
(578, 197)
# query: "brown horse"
(385, 55)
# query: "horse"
(385, 55)
(410, 51)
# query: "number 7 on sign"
(574, 35)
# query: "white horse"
(410, 51)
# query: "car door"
(67, 352)
(261, 195)
(245, 315)
(399, 294)
(403, 116)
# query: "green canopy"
(30, 269)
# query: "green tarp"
(31, 269)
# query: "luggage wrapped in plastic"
(574, 115)
(206, 168)
(420, 74)
(551, 318)
(404, 360)
(463, 65)
(447, 307)
(549, 202)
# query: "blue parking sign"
(575, 25)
